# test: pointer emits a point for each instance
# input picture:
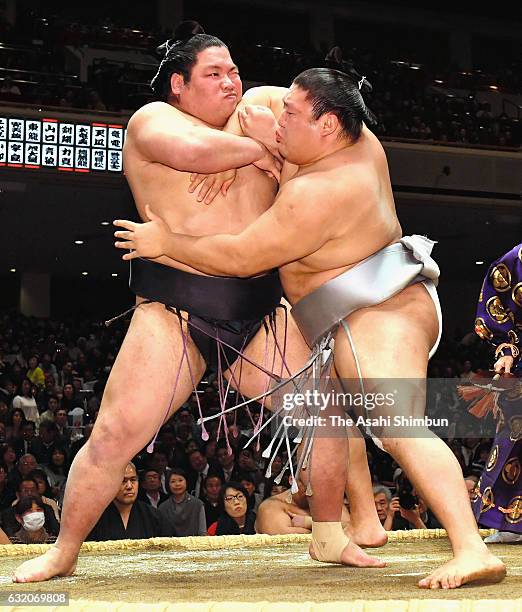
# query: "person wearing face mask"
(30, 515)
(28, 488)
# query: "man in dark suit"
(150, 488)
(126, 517)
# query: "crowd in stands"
(410, 100)
(52, 377)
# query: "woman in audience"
(57, 469)
(182, 514)
(8, 456)
(235, 518)
(26, 401)
(15, 424)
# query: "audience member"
(127, 517)
(28, 488)
(26, 402)
(211, 490)
(150, 488)
(182, 514)
(29, 513)
(235, 518)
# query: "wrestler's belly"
(247, 199)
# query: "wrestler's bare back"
(357, 214)
(166, 189)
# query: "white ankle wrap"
(328, 541)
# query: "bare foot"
(354, 556)
(52, 563)
(369, 535)
(464, 568)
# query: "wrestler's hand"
(394, 506)
(143, 239)
(259, 123)
(299, 520)
(211, 184)
(270, 164)
(504, 364)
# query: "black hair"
(179, 472)
(333, 91)
(39, 473)
(26, 504)
(230, 485)
(144, 472)
(180, 57)
(211, 474)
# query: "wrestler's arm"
(273, 520)
(268, 96)
(299, 223)
(163, 135)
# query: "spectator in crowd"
(127, 517)
(248, 483)
(386, 506)
(182, 514)
(42, 446)
(70, 398)
(57, 469)
(8, 457)
(150, 488)
(226, 459)
(247, 463)
(26, 402)
(61, 421)
(211, 490)
(199, 468)
(24, 445)
(51, 408)
(50, 390)
(44, 490)
(4, 414)
(28, 488)
(48, 368)
(158, 461)
(35, 373)
(29, 513)
(26, 463)
(235, 518)
(15, 424)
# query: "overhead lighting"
(479, 263)
(439, 81)
(78, 242)
(85, 274)
(105, 223)
(12, 270)
(493, 87)
(114, 274)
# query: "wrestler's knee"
(110, 441)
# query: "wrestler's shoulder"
(255, 95)
(154, 111)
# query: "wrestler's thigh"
(262, 350)
(141, 384)
(392, 339)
